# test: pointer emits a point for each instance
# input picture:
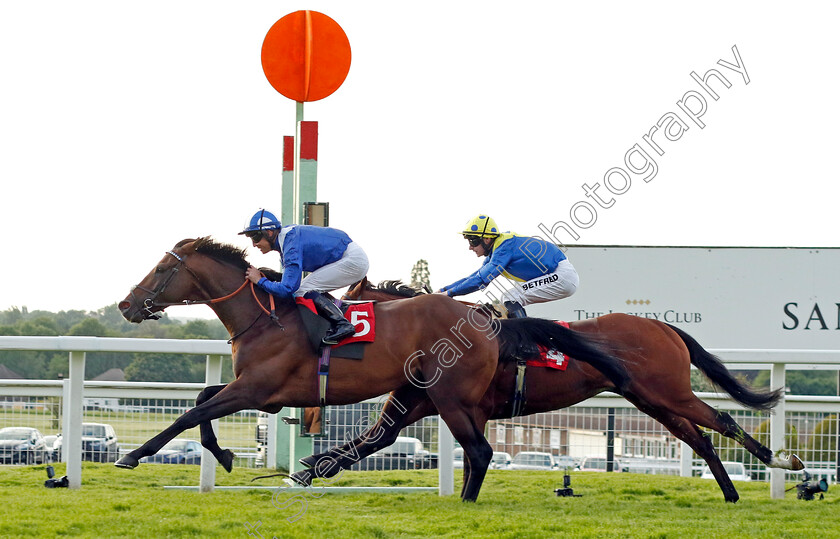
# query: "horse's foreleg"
(477, 451)
(404, 406)
(467, 428)
(208, 437)
(466, 475)
(227, 401)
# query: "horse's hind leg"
(700, 442)
(704, 415)
(208, 437)
(684, 429)
(404, 406)
(729, 428)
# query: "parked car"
(599, 464)
(533, 460)
(56, 447)
(565, 462)
(99, 443)
(458, 458)
(406, 453)
(177, 451)
(500, 461)
(53, 443)
(22, 445)
(735, 470)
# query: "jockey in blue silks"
(332, 258)
(539, 269)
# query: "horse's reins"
(150, 303)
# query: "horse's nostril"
(123, 306)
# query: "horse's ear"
(354, 290)
(185, 244)
(365, 283)
(271, 275)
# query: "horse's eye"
(159, 269)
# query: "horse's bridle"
(149, 302)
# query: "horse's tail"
(720, 376)
(519, 335)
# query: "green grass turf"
(133, 503)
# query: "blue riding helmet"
(262, 220)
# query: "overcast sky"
(126, 127)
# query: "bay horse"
(656, 355)
(432, 342)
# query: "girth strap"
(519, 388)
(324, 368)
(323, 374)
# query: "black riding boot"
(340, 328)
(526, 350)
(515, 310)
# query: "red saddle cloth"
(359, 314)
(553, 359)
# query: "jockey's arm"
(286, 286)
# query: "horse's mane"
(397, 288)
(228, 253)
(220, 251)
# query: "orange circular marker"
(306, 56)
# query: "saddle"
(350, 348)
(553, 359)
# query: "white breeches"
(350, 268)
(559, 284)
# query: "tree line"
(108, 322)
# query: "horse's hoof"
(226, 460)
(127, 462)
(309, 461)
(303, 478)
(786, 462)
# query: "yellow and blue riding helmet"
(481, 226)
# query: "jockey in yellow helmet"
(540, 269)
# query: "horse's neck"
(241, 311)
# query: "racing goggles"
(474, 241)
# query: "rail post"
(777, 431)
(446, 448)
(212, 376)
(72, 443)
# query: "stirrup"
(336, 335)
(515, 309)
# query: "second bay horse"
(656, 355)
